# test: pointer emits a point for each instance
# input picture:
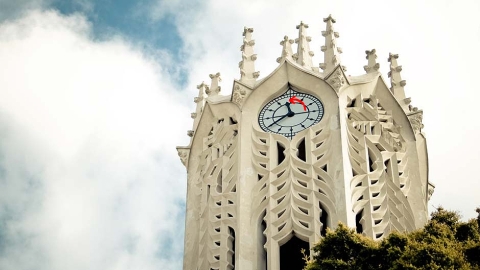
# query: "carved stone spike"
(329, 18)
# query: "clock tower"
(280, 159)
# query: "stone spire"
(331, 51)
(287, 51)
(247, 65)
(214, 87)
(303, 56)
(372, 65)
(396, 81)
(198, 111)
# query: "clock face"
(290, 113)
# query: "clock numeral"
(279, 129)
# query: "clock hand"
(276, 121)
(289, 114)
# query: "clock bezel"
(289, 93)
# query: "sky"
(95, 95)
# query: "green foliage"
(444, 243)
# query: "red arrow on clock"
(294, 100)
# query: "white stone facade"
(364, 164)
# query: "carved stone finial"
(396, 81)
(331, 52)
(286, 49)
(214, 87)
(247, 31)
(247, 65)
(329, 18)
(303, 55)
(372, 65)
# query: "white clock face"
(290, 113)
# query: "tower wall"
(250, 191)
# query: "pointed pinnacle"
(214, 87)
(303, 55)
(331, 51)
(396, 81)
(372, 65)
(287, 51)
(247, 65)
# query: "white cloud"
(89, 175)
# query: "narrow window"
(323, 220)
(357, 222)
(280, 152)
(301, 153)
(262, 240)
(231, 239)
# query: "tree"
(444, 243)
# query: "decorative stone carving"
(337, 80)
(416, 118)
(193, 115)
(380, 182)
(183, 154)
(238, 95)
(190, 133)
